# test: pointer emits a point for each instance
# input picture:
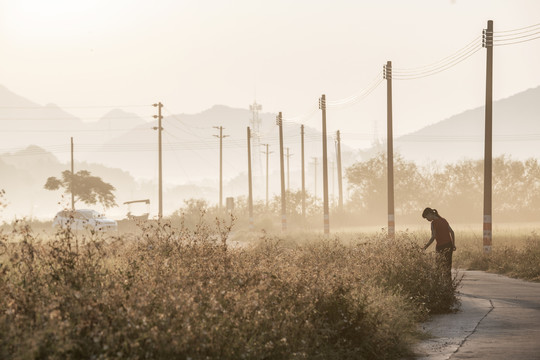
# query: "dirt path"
(499, 318)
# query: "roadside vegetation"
(515, 254)
(170, 291)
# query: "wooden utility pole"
(303, 177)
(250, 196)
(390, 149)
(267, 153)
(279, 122)
(488, 145)
(322, 106)
(72, 178)
(340, 174)
(160, 164)
(220, 136)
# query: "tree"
(368, 182)
(86, 188)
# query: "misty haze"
(266, 179)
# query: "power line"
(517, 37)
(354, 100)
(195, 145)
(442, 62)
(497, 35)
(439, 69)
(517, 42)
(519, 29)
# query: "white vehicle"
(84, 220)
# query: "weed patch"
(177, 293)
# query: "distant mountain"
(516, 132)
(126, 154)
(191, 146)
(24, 122)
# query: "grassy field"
(515, 247)
(171, 292)
(515, 252)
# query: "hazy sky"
(191, 55)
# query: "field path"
(499, 318)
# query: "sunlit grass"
(172, 292)
(515, 252)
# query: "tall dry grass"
(514, 253)
(177, 293)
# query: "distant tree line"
(455, 189)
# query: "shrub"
(179, 293)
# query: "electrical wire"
(517, 37)
(442, 62)
(301, 118)
(517, 42)
(191, 126)
(497, 35)
(451, 65)
(192, 146)
(509, 37)
(523, 28)
(438, 69)
(358, 94)
(368, 91)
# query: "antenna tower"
(255, 125)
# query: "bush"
(516, 261)
(179, 293)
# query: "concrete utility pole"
(288, 171)
(340, 174)
(72, 178)
(220, 136)
(322, 106)
(387, 73)
(303, 177)
(279, 123)
(267, 153)
(487, 42)
(160, 166)
(250, 196)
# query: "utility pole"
(279, 122)
(303, 177)
(340, 175)
(220, 136)
(250, 196)
(387, 74)
(487, 42)
(267, 153)
(160, 166)
(72, 178)
(322, 106)
(288, 172)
